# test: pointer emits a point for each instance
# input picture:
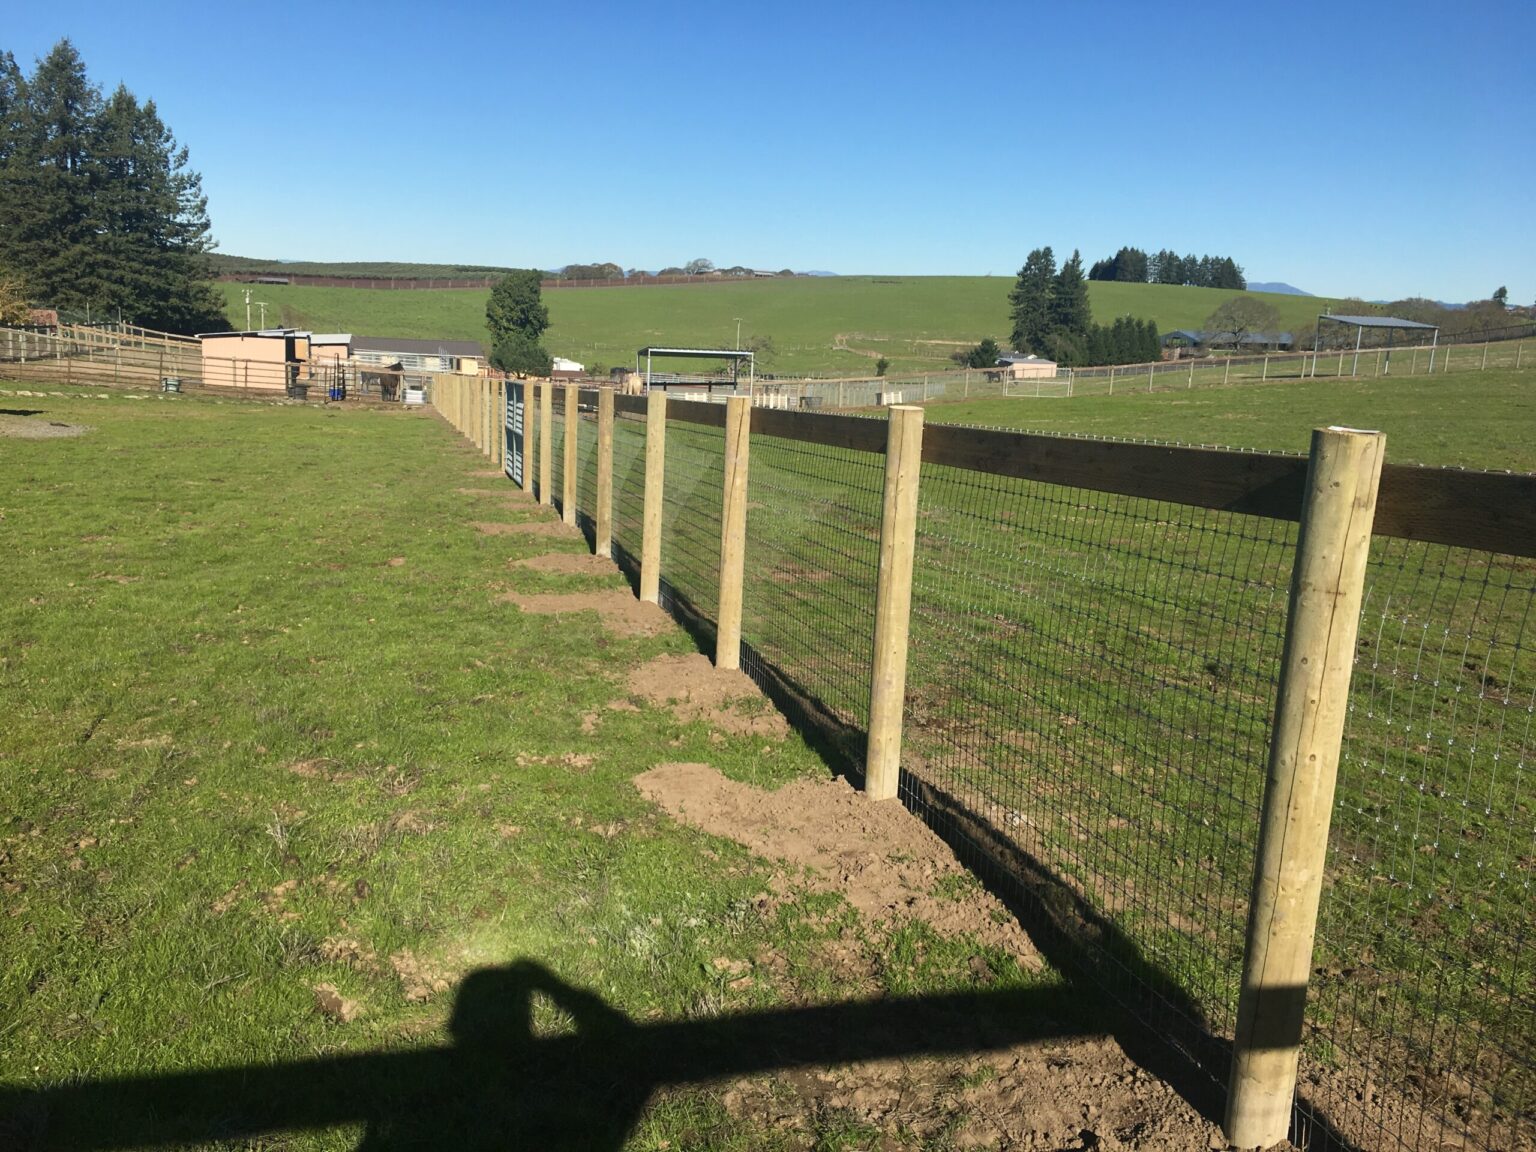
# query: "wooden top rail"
(857, 433)
(696, 412)
(1486, 511)
(1489, 511)
(1253, 483)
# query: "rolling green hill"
(828, 326)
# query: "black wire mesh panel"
(813, 545)
(557, 452)
(1089, 695)
(690, 523)
(628, 490)
(1423, 1014)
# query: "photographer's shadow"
(500, 1085)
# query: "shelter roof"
(1376, 321)
(705, 353)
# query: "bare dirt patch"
(1059, 1094)
(886, 863)
(13, 427)
(696, 690)
(1049, 1096)
(524, 528)
(568, 564)
(618, 609)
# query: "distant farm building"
(330, 346)
(1201, 340)
(270, 358)
(1012, 367)
(418, 357)
(563, 369)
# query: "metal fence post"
(546, 441)
(733, 531)
(655, 477)
(568, 499)
(603, 543)
(893, 601)
(1484, 368)
(1327, 584)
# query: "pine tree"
(103, 212)
(1070, 312)
(1030, 302)
(45, 194)
(151, 221)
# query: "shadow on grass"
(499, 1085)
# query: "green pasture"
(1463, 419)
(827, 326)
(268, 730)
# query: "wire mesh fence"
(813, 539)
(555, 446)
(1089, 707)
(628, 490)
(586, 466)
(1424, 1003)
(1090, 692)
(690, 521)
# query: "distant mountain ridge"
(1277, 286)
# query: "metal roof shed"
(1361, 323)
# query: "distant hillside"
(1277, 287)
(223, 264)
(822, 325)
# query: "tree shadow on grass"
(501, 1085)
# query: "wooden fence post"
(530, 434)
(1327, 584)
(603, 543)
(655, 477)
(893, 601)
(733, 531)
(568, 499)
(482, 388)
(546, 441)
(498, 418)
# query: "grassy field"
(277, 771)
(1462, 419)
(829, 326)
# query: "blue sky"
(1371, 149)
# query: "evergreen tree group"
(100, 210)
(1133, 266)
(1052, 318)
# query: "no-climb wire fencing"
(1247, 738)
